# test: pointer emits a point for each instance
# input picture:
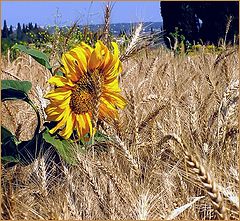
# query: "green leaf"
(24, 86)
(100, 137)
(5, 134)
(10, 94)
(9, 151)
(9, 159)
(39, 56)
(64, 147)
(58, 72)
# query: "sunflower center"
(87, 91)
(81, 101)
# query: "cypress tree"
(214, 16)
(5, 30)
(10, 30)
(30, 25)
(24, 30)
(19, 32)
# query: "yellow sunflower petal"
(113, 60)
(58, 126)
(89, 123)
(57, 114)
(113, 70)
(111, 85)
(115, 99)
(60, 81)
(82, 122)
(59, 93)
(82, 125)
(79, 126)
(67, 131)
(53, 111)
(116, 51)
(105, 112)
(62, 105)
(69, 63)
(62, 122)
(107, 59)
(81, 58)
(96, 58)
(111, 75)
(88, 49)
(55, 117)
(106, 55)
(107, 103)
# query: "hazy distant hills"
(119, 27)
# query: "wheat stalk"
(8, 204)
(95, 187)
(150, 117)
(69, 34)
(229, 20)
(131, 48)
(134, 118)
(127, 154)
(204, 176)
(116, 181)
(106, 29)
(97, 86)
(12, 75)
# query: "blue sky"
(88, 12)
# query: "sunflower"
(87, 91)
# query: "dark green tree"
(179, 15)
(5, 30)
(30, 26)
(24, 30)
(10, 30)
(214, 17)
(19, 32)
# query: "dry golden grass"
(176, 140)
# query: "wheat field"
(172, 155)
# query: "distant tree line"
(24, 34)
(5, 31)
(208, 21)
(21, 31)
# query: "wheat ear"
(229, 20)
(116, 182)
(134, 118)
(106, 29)
(130, 158)
(10, 74)
(150, 117)
(95, 187)
(98, 91)
(205, 178)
